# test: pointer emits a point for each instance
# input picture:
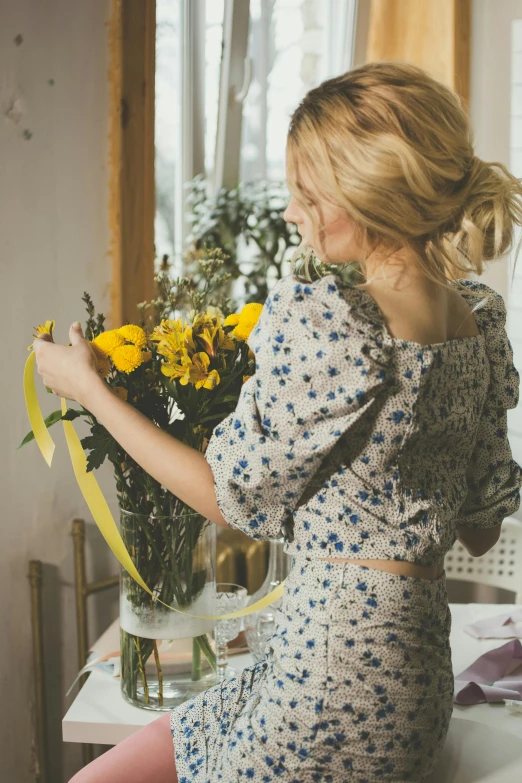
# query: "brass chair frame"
(83, 589)
(41, 760)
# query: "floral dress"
(352, 443)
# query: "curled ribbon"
(95, 499)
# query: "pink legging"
(145, 757)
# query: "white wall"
(496, 105)
(54, 239)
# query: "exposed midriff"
(394, 567)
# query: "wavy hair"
(394, 148)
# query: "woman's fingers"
(43, 338)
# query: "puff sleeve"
(317, 371)
(494, 478)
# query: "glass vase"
(260, 626)
(166, 657)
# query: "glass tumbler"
(229, 598)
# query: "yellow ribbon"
(95, 499)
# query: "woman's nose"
(290, 215)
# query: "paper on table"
(501, 626)
(494, 676)
(175, 656)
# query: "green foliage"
(100, 444)
(251, 214)
(51, 419)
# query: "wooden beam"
(433, 34)
(132, 37)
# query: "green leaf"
(100, 444)
(51, 419)
(229, 398)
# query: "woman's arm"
(478, 542)
(180, 468)
(71, 372)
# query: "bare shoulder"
(423, 312)
(461, 321)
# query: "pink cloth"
(495, 676)
(501, 626)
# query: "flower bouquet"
(184, 373)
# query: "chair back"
(500, 567)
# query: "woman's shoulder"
(487, 305)
(325, 301)
(489, 309)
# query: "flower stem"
(141, 666)
(160, 673)
(196, 660)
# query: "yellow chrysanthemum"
(248, 318)
(102, 360)
(244, 321)
(109, 341)
(127, 358)
(133, 334)
(46, 328)
(120, 392)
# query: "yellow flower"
(120, 392)
(127, 358)
(109, 341)
(178, 370)
(209, 332)
(188, 336)
(102, 360)
(46, 328)
(244, 321)
(209, 338)
(199, 374)
(172, 337)
(133, 334)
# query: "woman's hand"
(69, 371)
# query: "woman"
(372, 435)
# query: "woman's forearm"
(182, 469)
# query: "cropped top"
(352, 443)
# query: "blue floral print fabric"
(356, 687)
(352, 443)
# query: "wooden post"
(132, 36)
(433, 34)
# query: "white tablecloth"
(99, 714)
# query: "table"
(99, 714)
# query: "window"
(290, 46)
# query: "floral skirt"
(356, 686)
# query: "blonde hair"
(393, 147)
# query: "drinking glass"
(229, 598)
